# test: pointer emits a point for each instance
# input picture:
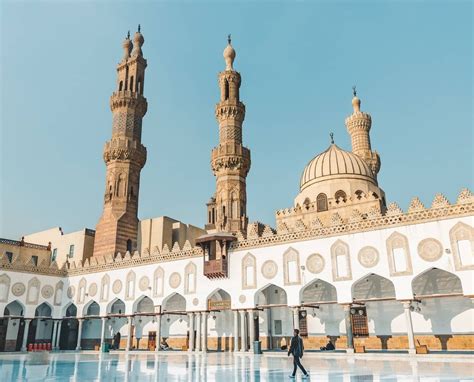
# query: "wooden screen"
(303, 323)
(360, 324)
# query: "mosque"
(339, 264)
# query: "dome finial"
(128, 35)
(332, 137)
(355, 100)
(229, 54)
(139, 28)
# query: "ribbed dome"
(335, 163)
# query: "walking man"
(296, 348)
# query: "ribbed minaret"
(230, 160)
(124, 155)
(358, 125)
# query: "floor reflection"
(226, 367)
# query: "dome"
(335, 163)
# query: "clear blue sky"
(411, 61)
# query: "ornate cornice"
(130, 99)
(226, 110)
(137, 155)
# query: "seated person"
(164, 345)
(329, 346)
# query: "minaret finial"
(229, 38)
(128, 35)
(332, 138)
(354, 91)
(139, 28)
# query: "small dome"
(335, 163)
(229, 55)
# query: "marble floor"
(227, 367)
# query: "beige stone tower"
(358, 125)
(230, 160)
(124, 155)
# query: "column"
(251, 325)
(102, 334)
(411, 335)
(204, 331)
(350, 338)
(296, 318)
(58, 336)
(79, 333)
(25, 334)
(158, 332)
(191, 331)
(53, 338)
(236, 331)
(129, 338)
(243, 332)
(198, 329)
(269, 328)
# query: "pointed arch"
(398, 252)
(190, 276)
(372, 286)
(130, 286)
(44, 310)
(33, 291)
(92, 308)
(249, 271)
(4, 287)
(436, 281)
(462, 246)
(66, 307)
(218, 299)
(158, 282)
(116, 306)
(341, 261)
(14, 308)
(270, 294)
(174, 303)
(71, 310)
(291, 267)
(104, 288)
(143, 304)
(318, 290)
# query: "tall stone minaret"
(230, 160)
(124, 155)
(358, 125)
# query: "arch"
(158, 282)
(226, 89)
(104, 288)
(359, 194)
(144, 304)
(341, 261)
(318, 290)
(436, 281)
(131, 84)
(249, 272)
(120, 86)
(340, 196)
(270, 294)
(291, 267)
(116, 306)
(321, 202)
(44, 310)
(462, 246)
(398, 252)
(81, 291)
(140, 85)
(71, 310)
(32, 294)
(174, 303)
(14, 308)
(92, 308)
(130, 286)
(372, 286)
(4, 287)
(190, 278)
(219, 299)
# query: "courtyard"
(210, 367)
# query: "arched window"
(158, 282)
(129, 245)
(340, 196)
(359, 194)
(307, 203)
(226, 90)
(249, 272)
(234, 212)
(120, 86)
(322, 202)
(139, 86)
(131, 84)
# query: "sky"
(411, 62)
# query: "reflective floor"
(226, 367)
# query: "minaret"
(124, 155)
(358, 125)
(230, 160)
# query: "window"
(131, 84)
(292, 271)
(120, 86)
(399, 260)
(341, 264)
(9, 256)
(340, 196)
(322, 202)
(465, 253)
(54, 254)
(71, 251)
(226, 90)
(35, 260)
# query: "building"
(341, 264)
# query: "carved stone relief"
(117, 286)
(92, 289)
(47, 291)
(368, 257)
(269, 269)
(71, 291)
(315, 263)
(144, 283)
(430, 249)
(18, 289)
(175, 280)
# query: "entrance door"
(151, 340)
(32, 331)
(68, 337)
